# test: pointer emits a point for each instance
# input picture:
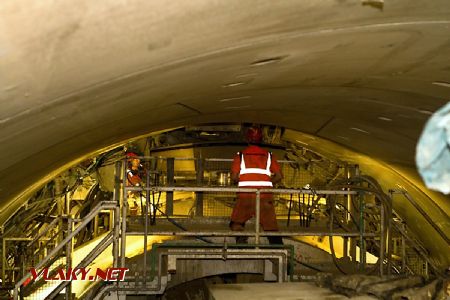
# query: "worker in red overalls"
(134, 178)
(255, 167)
(134, 169)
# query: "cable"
(181, 226)
(175, 222)
(351, 216)
(378, 191)
(308, 265)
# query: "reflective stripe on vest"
(255, 183)
(266, 171)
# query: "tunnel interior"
(201, 156)
(341, 89)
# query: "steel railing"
(111, 205)
(119, 229)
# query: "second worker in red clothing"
(255, 167)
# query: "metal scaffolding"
(210, 191)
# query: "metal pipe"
(248, 233)
(17, 239)
(258, 216)
(433, 203)
(206, 159)
(240, 190)
(424, 214)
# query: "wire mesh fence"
(212, 172)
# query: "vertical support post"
(389, 239)
(115, 225)
(199, 195)
(345, 246)
(353, 171)
(353, 246)
(403, 251)
(349, 207)
(60, 207)
(69, 248)
(258, 215)
(3, 261)
(357, 172)
(23, 263)
(382, 239)
(332, 206)
(147, 204)
(110, 221)
(95, 226)
(69, 258)
(170, 182)
(348, 203)
(144, 257)
(362, 248)
(123, 233)
(116, 237)
(67, 202)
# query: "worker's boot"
(275, 240)
(239, 227)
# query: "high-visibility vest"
(251, 177)
(133, 179)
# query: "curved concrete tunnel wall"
(78, 78)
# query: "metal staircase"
(64, 249)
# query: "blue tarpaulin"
(433, 151)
